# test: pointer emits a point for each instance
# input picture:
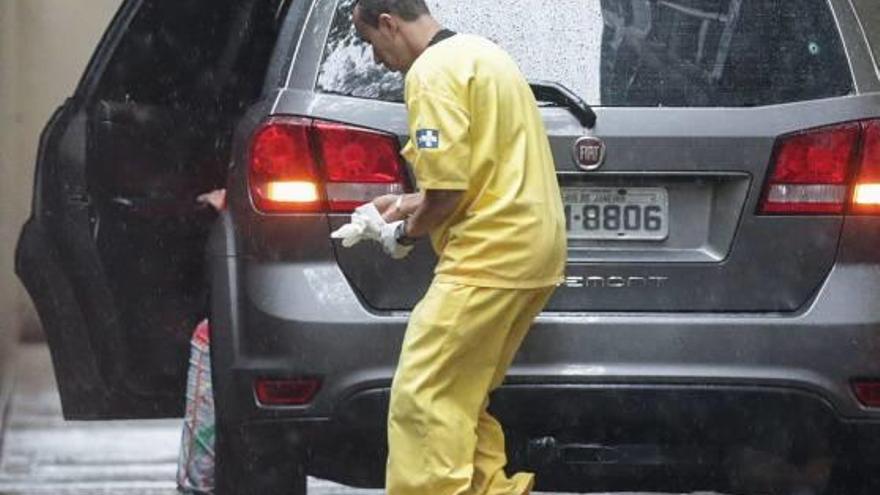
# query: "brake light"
(283, 172)
(811, 171)
(293, 392)
(866, 199)
(303, 165)
(868, 392)
(822, 171)
(867, 195)
(292, 192)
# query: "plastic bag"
(195, 466)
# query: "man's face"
(385, 40)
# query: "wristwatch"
(401, 237)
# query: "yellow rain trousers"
(458, 346)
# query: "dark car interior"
(160, 124)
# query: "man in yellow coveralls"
(491, 203)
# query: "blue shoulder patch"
(428, 138)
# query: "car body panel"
(286, 318)
(866, 72)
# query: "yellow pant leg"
(457, 339)
(490, 457)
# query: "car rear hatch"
(696, 101)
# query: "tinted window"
(633, 52)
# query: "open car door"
(113, 253)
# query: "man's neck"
(420, 33)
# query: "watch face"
(401, 237)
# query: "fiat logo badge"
(589, 153)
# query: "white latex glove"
(389, 242)
(366, 223)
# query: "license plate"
(606, 213)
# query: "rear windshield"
(698, 53)
(869, 14)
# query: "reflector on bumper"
(288, 392)
(868, 392)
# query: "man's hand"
(388, 206)
(379, 219)
(366, 223)
(385, 203)
(389, 241)
(424, 210)
(216, 199)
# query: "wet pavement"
(43, 454)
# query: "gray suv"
(720, 323)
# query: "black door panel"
(113, 254)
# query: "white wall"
(44, 47)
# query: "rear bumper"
(291, 320)
(622, 437)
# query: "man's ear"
(388, 24)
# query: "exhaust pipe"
(547, 450)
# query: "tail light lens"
(827, 171)
(293, 392)
(283, 171)
(302, 165)
(811, 171)
(866, 198)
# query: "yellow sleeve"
(440, 145)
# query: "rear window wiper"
(557, 94)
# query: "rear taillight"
(826, 171)
(812, 170)
(302, 165)
(283, 171)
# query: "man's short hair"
(408, 10)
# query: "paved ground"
(42, 454)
